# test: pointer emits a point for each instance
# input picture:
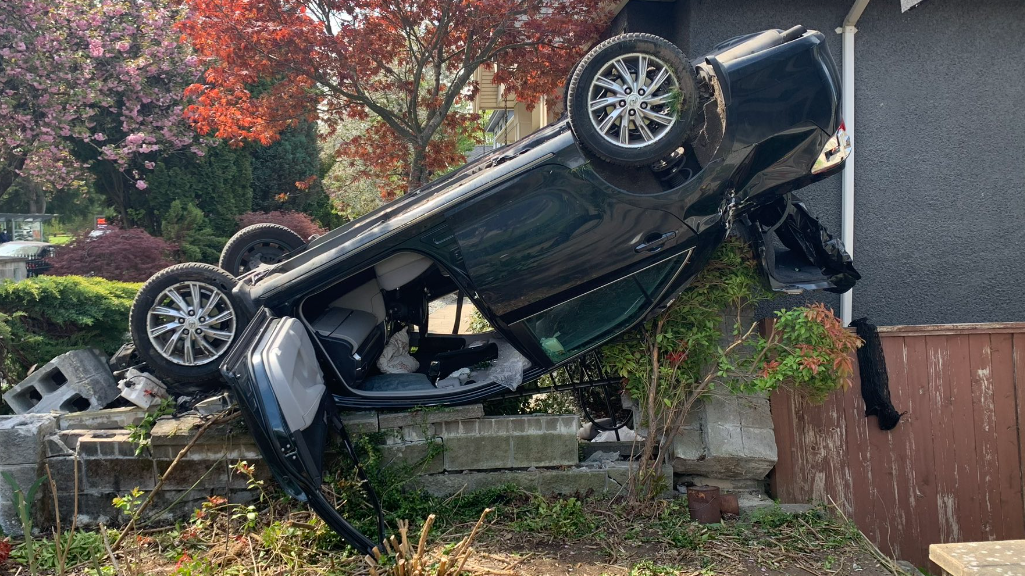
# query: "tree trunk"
(9, 172)
(418, 175)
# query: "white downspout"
(847, 210)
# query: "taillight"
(836, 150)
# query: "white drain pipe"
(847, 210)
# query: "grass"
(525, 534)
(60, 239)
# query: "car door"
(550, 235)
(279, 386)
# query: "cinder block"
(415, 454)
(544, 449)
(62, 469)
(759, 443)
(619, 476)
(173, 431)
(119, 475)
(360, 422)
(572, 481)
(688, 445)
(22, 438)
(483, 452)
(421, 417)
(754, 412)
(442, 485)
(107, 419)
(106, 444)
(75, 381)
(721, 408)
(24, 475)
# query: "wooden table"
(1004, 558)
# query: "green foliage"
(558, 518)
(295, 157)
(82, 547)
(23, 503)
(45, 316)
(219, 184)
(139, 435)
(185, 225)
(692, 334)
(649, 568)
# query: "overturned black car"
(561, 241)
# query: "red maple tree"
(408, 64)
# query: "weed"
(649, 568)
(557, 518)
(23, 502)
(139, 435)
(82, 547)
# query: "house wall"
(940, 185)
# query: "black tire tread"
(247, 234)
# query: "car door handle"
(654, 242)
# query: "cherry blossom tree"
(92, 83)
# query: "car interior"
(401, 326)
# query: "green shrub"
(46, 316)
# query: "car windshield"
(18, 250)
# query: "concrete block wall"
(108, 466)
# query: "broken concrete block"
(106, 419)
(214, 405)
(75, 381)
(423, 417)
(22, 438)
(142, 389)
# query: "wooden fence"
(953, 468)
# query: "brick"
(415, 454)
(551, 449)
(108, 419)
(430, 416)
(22, 437)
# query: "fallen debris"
(142, 389)
(75, 381)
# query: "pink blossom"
(140, 184)
(149, 165)
(99, 137)
(95, 48)
(135, 139)
(123, 46)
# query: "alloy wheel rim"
(191, 323)
(633, 100)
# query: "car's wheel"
(183, 321)
(258, 244)
(632, 99)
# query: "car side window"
(590, 319)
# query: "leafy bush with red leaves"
(127, 255)
(297, 222)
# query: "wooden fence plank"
(1009, 478)
(941, 410)
(921, 427)
(1019, 388)
(980, 356)
(954, 467)
(965, 451)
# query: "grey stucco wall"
(940, 179)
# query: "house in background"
(936, 227)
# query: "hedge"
(45, 316)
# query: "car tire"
(657, 118)
(258, 244)
(188, 352)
